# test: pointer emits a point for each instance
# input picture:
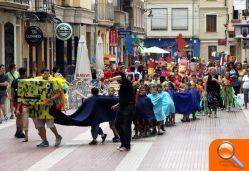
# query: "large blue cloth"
(93, 111)
(144, 108)
(186, 102)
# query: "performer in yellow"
(53, 96)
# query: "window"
(235, 14)
(159, 20)
(211, 23)
(180, 19)
(211, 49)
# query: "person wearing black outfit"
(213, 92)
(125, 110)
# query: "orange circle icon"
(226, 150)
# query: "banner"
(239, 4)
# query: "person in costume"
(21, 112)
(157, 101)
(234, 74)
(227, 87)
(96, 129)
(169, 88)
(45, 118)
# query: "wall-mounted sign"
(222, 42)
(123, 33)
(64, 31)
(33, 36)
(113, 38)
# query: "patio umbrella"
(83, 69)
(155, 50)
(99, 54)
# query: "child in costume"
(227, 88)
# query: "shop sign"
(123, 33)
(113, 38)
(33, 36)
(222, 42)
(64, 31)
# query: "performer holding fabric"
(126, 110)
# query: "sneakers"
(6, 118)
(116, 139)
(43, 144)
(12, 117)
(121, 148)
(103, 137)
(58, 141)
(93, 142)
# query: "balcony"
(16, 5)
(105, 14)
(121, 18)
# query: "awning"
(241, 25)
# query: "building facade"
(165, 20)
(213, 19)
(12, 31)
(201, 23)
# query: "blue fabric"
(183, 102)
(157, 101)
(168, 106)
(93, 111)
(196, 100)
(128, 44)
(144, 108)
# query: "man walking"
(3, 92)
(49, 121)
(126, 110)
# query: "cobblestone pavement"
(183, 148)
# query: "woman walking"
(245, 85)
(213, 92)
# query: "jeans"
(96, 130)
(123, 124)
(246, 98)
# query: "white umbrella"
(83, 69)
(155, 50)
(99, 54)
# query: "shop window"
(211, 49)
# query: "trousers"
(123, 124)
(95, 131)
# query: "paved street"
(184, 147)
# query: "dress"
(157, 101)
(213, 93)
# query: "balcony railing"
(106, 11)
(25, 2)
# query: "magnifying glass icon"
(226, 151)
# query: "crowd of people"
(152, 84)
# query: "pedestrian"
(126, 110)
(22, 110)
(96, 129)
(213, 92)
(48, 121)
(245, 85)
(56, 72)
(111, 93)
(12, 75)
(3, 92)
(234, 74)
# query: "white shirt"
(246, 82)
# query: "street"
(183, 148)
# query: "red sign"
(222, 42)
(113, 38)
